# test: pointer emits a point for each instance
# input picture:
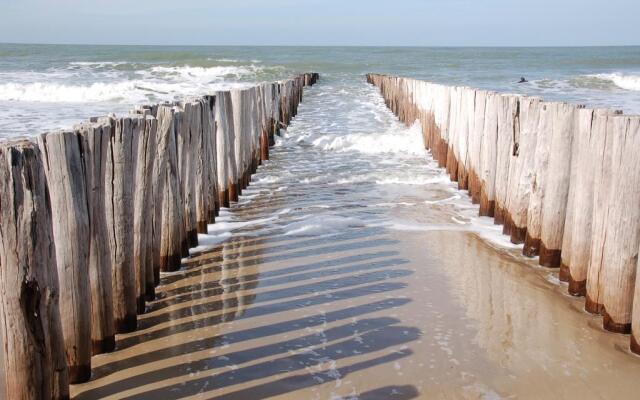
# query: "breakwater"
(92, 215)
(562, 179)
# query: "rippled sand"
(351, 270)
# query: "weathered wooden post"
(521, 185)
(454, 133)
(507, 109)
(466, 127)
(488, 156)
(95, 139)
(209, 132)
(34, 363)
(187, 131)
(557, 184)
(569, 221)
(266, 122)
(590, 143)
(602, 184)
(442, 121)
(620, 254)
(540, 166)
(225, 156)
(241, 112)
(256, 128)
(64, 167)
(171, 235)
(120, 178)
(476, 132)
(201, 164)
(144, 140)
(149, 227)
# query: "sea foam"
(623, 81)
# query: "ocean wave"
(128, 91)
(397, 141)
(604, 82)
(56, 92)
(209, 73)
(623, 81)
(97, 63)
(157, 83)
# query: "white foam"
(226, 225)
(62, 93)
(627, 82)
(205, 73)
(398, 141)
(158, 83)
(320, 224)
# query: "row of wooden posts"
(91, 216)
(562, 179)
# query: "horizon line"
(320, 45)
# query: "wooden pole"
(144, 140)
(466, 127)
(187, 131)
(602, 184)
(567, 237)
(63, 160)
(454, 132)
(241, 127)
(540, 166)
(34, 363)
(557, 182)
(147, 221)
(488, 156)
(209, 127)
(120, 177)
(95, 142)
(589, 143)
(225, 156)
(507, 108)
(515, 165)
(201, 148)
(266, 122)
(171, 235)
(476, 136)
(526, 124)
(620, 254)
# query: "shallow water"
(353, 269)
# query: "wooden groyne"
(562, 179)
(90, 216)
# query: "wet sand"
(335, 278)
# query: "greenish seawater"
(49, 86)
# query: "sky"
(323, 22)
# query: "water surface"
(52, 86)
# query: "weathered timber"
(120, 178)
(620, 254)
(64, 167)
(554, 204)
(225, 156)
(144, 140)
(169, 215)
(95, 139)
(32, 345)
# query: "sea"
(45, 87)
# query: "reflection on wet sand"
(339, 283)
(188, 342)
